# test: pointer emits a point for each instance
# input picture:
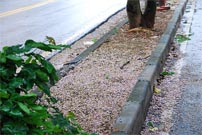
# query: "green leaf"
(150, 124)
(28, 98)
(28, 71)
(53, 78)
(38, 57)
(60, 121)
(94, 40)
(53, 100)
(16, 113)
(14, 128)
(70, 115)
(29, 75)
(42, 75)
(55, 47)
(167, 73)
(14, 57)
(37, 107)
(3, 86)
(42, 46)
(115, 31)
(2, 58)
(16, 49)
(4, 94)
(44, 87)
(23, 107)
(50, 40)
(33, 44)
(28, 60)
(34, 61)
(181, 38)
(15, 82)
(5, 48)
(3, 71)
(29, 83)
(6, 107)
(49, 67)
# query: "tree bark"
(135, 16)
(134, 13)
(149, 14)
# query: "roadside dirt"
(98, 87)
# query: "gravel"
(98, 87)
(68, 54)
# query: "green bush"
(20, 112)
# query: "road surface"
(65, 20)
(188, 112)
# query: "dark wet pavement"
(188, 112)
(65, 20)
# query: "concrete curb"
(134, 111)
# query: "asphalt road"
(188, 112)
(65, 20)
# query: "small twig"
(71, 63)
(139, 29)
(126, 63)
(144, 57)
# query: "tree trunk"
(134, 13)
(135, 16)
(149, 14)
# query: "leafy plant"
(181, 38)
(115, 30)
(151, 126)
(167, 73)
(51, 40)
(20, 112)
(94, 40)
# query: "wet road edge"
(134, 112)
